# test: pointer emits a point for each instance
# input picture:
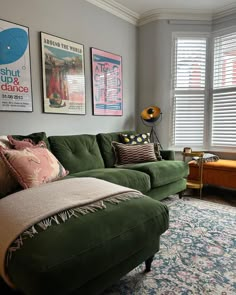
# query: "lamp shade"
(151, 114)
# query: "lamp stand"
(154, 137)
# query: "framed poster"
(15, 71)
(63, 75)
(107, 83)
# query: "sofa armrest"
(168, 154)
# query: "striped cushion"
(134, 153)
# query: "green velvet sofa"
(86, 255)
(93, 156)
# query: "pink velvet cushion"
(33, 166)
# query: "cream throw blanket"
(23, 209)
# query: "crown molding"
(159, 14)
(118, 10)
(174, 14)
(226, 10)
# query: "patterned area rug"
(197, 255)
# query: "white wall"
(84, 23)
(154, 79)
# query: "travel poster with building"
(107, 83)
(63, 75)
(15, 72)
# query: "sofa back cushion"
(107, 151)
(33, 137)
(77, 152)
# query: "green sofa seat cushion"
(129, 178)
(77, 152)
(67, 256)
(161, 172)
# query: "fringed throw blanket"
(56, 201)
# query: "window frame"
(192, 35)
(218, 33)
(209, 74)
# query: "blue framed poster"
(15, 70)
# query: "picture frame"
(187, 150)
(107, 84)
(63, 73)
(15, 68)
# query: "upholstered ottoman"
(219, 173)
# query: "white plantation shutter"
(224, 91)
(189, 91)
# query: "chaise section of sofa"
(85, 255)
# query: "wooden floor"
(215, 194)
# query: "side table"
(196, 183)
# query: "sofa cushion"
(34, 137)
(134, 153)
(33, 166)
(135, 138)
(104, 141)
(129, 178)
(161, 172)
(77, 152)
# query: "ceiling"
(140, 12)
(143, 6)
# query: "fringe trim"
(64, 216)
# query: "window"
(189, 90)
(224, 91)
(203, 119)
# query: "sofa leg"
(148, 263)
(181, 194)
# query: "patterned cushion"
(135, 139)
(134, 153)
(157, 150)
(207, 157)
(8, 182)
(33, 166)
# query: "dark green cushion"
(129, 178)
(67, 256)
(161, 172)
(104, 141)
(35, 137)
(167, 154)
(77, 152)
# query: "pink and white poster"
(107, 83)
